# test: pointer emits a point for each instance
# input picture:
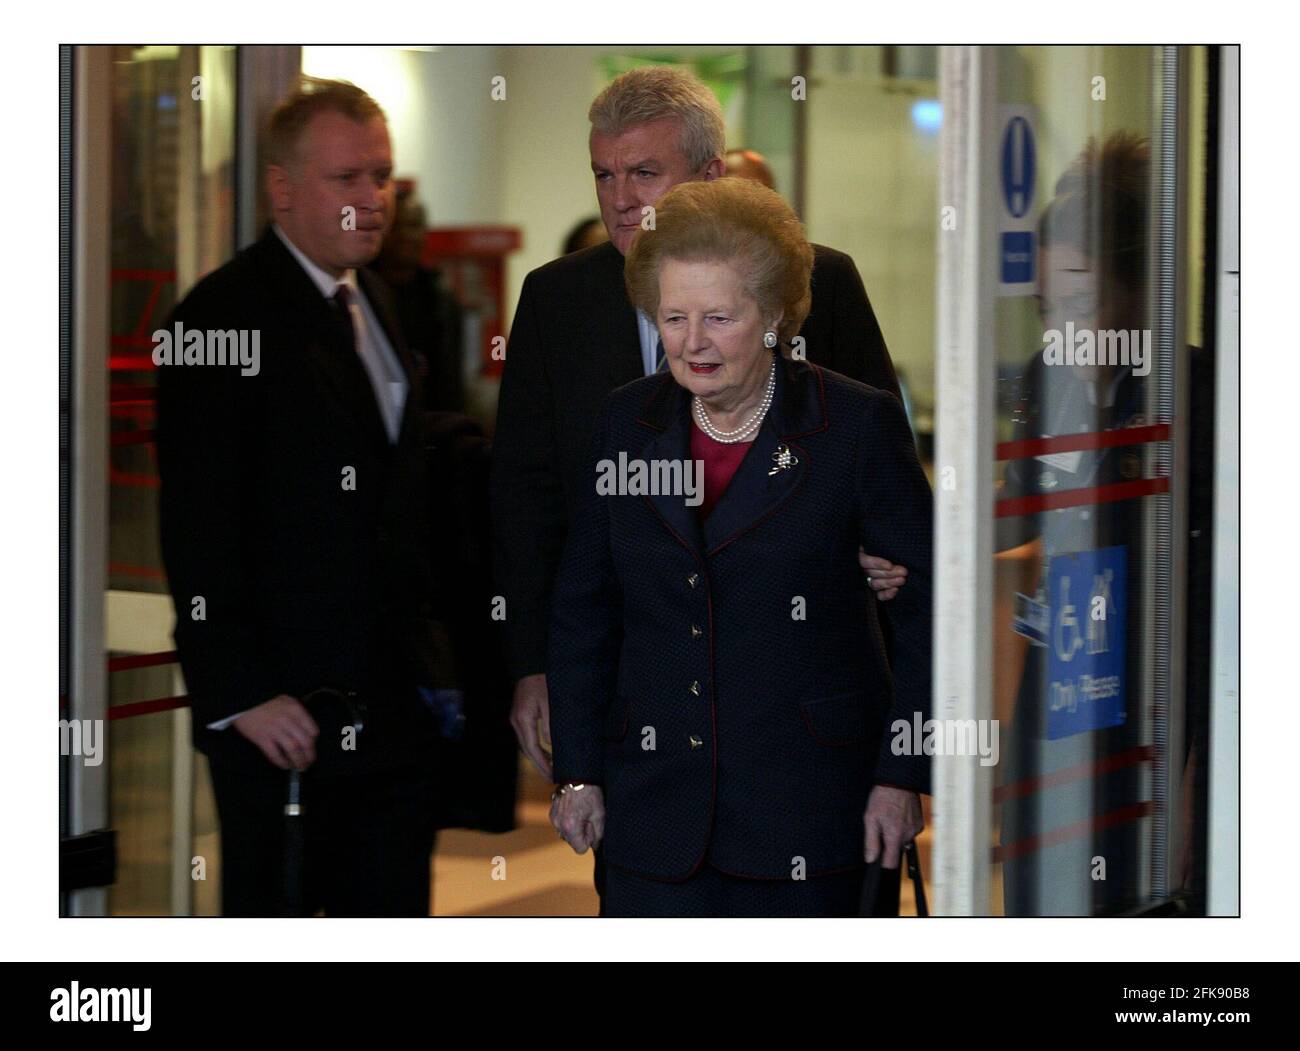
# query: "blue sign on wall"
(1017, 255)
(1087, 596)
(1017, 186)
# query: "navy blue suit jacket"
(727, 683)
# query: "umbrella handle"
(293, 805)
(918, 884)
(294, 833)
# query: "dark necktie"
(373, 371)
(342, 302)
(367, 356)
(661, 359)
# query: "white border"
(1270, 728)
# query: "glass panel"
(1083, 498)
(140, 754)
(172, 221)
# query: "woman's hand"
(893, 817)
(883, 577)
(578, 815)
(530, 715)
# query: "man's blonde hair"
(735, 221)
(651, 93)
(312, 97)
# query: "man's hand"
(892, 818)
(578, 814)
(883, 577)
(284, 731)
(530, 715)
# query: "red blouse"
(721, 460)
(720, 463)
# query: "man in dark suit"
(293, 533)
(576, 337)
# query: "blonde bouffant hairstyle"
(735, 221)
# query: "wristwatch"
(568, 786)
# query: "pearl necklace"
(746, 429)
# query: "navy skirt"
(710, 893)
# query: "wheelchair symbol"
(1065, 630)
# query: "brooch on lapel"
(784, 458)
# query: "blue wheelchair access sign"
(1087, 593)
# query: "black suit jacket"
(727, 683)
(574, 340)
(306, 583)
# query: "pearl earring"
(769, 339)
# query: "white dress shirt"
(649, 341)
(387, 376)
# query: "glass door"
(1071, 499)
(155, 143)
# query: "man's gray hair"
(650, 93)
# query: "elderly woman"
(721, 702)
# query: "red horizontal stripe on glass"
(1080, 772)
(131, 362)
(1067, 443)
(138, 481)
(1097, 494)
(130, 569)
(161, 704)
(141, 660)
(128, 274)
(1021, 847)
(131, 437)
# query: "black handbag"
(881, 886)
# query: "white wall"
(445, 128)
(546, 169)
